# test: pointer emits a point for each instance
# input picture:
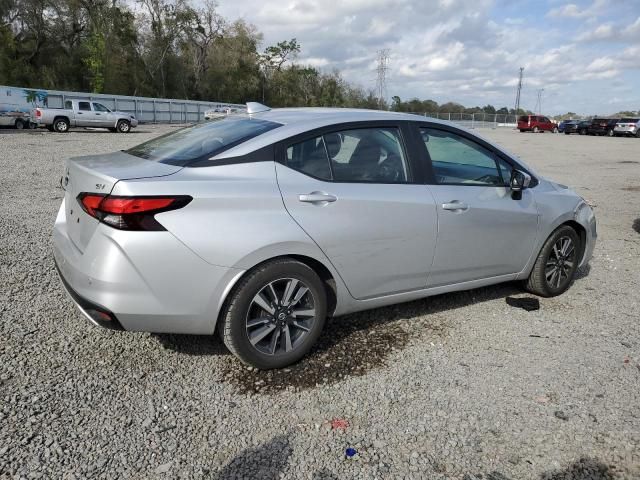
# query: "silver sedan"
(261, 225)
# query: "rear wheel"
(19, 124)
(556, 264)
(609, 133)
(123, 126)
(61, 125)
(555, 130)
(582, 132)
(536, 129)
(275, 314)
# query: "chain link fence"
(475, 120)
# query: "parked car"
(219, 112)
(580, 127)
(562, 124)
(261, 225)
(602, 126)
(83, 113)
(536, 123)
(628, 127)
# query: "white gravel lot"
(457, 386)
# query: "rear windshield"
(202, 141)
(524, 118)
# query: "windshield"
(202, 141)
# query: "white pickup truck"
(83, 113)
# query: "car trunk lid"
(99, 174)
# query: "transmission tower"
(381, 71)
(538, 108)
(519, 89)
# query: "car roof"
(295, 121)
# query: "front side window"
(457, 160)
(84, 106)
(202, 141)
(98, 107)
(372, 155)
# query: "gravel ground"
(458, 386)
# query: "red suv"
(536, 123)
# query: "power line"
(519, 90)
(381, 74)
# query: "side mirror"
(519, 181)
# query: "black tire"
(539, 281)
(19, 124)
(582, 132)
(33, 126)
(61, 125)
(536, 129)
(610, 133)
(522, 130)
(233, 325)
(123, 126)
(555, 130)
(638, 134)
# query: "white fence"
(145, 109)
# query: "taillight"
(130, 213)
(38, 113)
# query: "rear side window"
(364, 155)
(68, 105)
(202, 141)
(524, 118)
(84, 106)
(457, 160)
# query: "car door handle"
(455, 205)
(317, 197)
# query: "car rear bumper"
(625, 131)
(147, 281)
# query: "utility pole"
(381, 71)
(518, 93)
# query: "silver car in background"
(83, 113)
(627, 127)
(261, 225)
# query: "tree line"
(159, 48)
(171, 49)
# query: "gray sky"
(586, 55)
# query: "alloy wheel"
(280, 316)
(560, 263)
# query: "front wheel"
(275, 314)
(123, 126)
(556, 264)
